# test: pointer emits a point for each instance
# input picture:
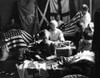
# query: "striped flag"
(71, 28)
(26, 36)
(17, 38)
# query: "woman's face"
(52, 25)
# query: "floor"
(8, 69)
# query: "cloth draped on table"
(80, 63)
(27, 64)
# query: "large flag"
(71, 28)
(27, 14)
(17, 38)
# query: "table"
(50, 69)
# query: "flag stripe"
(17, 38)
(27, 37)
(70, 26)
(17, 45)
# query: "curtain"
(65, 10)
(61, 7)
(53, 6)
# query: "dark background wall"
(7, 9)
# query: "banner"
(27, 15)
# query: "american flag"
(17, 38)
(71, 28)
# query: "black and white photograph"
(49, 38)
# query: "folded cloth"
(86, 55)
(41, 67)
(21, 71)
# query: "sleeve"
(87, 20)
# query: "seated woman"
(45, 47)
(86, 41)
(56, 34)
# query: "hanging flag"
(65, 10)
(27, 14)
(53, 6)
(60, 7)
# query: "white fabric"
(65, 8)
(41, 67)
(53, 6)
(86, 55)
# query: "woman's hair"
(44, 34)
(54, 22)
(85, 7)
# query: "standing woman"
(86, 17)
